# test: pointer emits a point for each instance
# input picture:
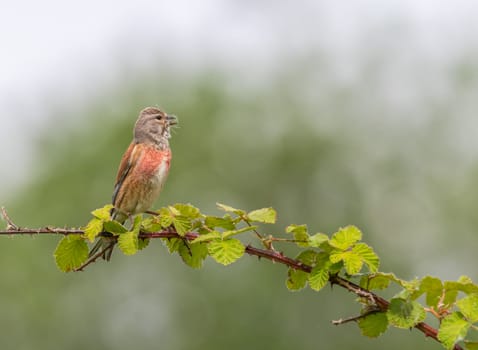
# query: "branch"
(269, 254)
(355, 318)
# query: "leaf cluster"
(195, 236)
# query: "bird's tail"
(104, 244)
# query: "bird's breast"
(155, 162)
(156, 166)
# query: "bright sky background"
(56, 52)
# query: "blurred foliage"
(301, 143)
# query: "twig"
(354, 318)
(95, 257)
(13, 229)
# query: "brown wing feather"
(123, 170)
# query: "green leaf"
(151, 224)
(469, 307)
(225, 222)
(318, 277)
(471, 345)
(378, 280)
(367, 255)
(464, 280)
(353, 263)
(71, 252)
(188, 210)
(173, 211)
(345, 237)
(318, 239)
(165, 217)
(374, 324)
(300, 234)
(307, 257)
(296, 279)
(182, 225)
(143, 243)
(114, 227)
(93, 229)
(433, 288)
(453, 328)
(207, 237)
(468, 287)
(264, 215)
(226, 251)
(227, 234)
(451, 288)
(128, 243)
(229, 209)
(173, 244)
(405, 313)
(103, 213)
(193, 254)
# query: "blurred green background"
(381, 136)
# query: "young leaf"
(367, 255)
(151, 224)
(353, 263)
(229, 209)
(193, 254)
(114, 227)
(165, 217)
(296, 279)
(225, 222)
(433, 288)
(182, 225)
(226, 251)
(317, 239)
(467, 286)
(300, 234)
(227, 234)
(471, 345)
(173, 244)
(308, 257)
(143, 243)
(264, 215)
(103, 213)
(173, 210)
(318, 277)
(374, 324)
(188, 210)
(128, 243)
(71, 252)
(404, 313)
(453, 328)
(469, 307)
(378, 280)
(346, 237)
(207, 237)
(93, 229)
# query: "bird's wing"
(127, 161)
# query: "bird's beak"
(172, 119)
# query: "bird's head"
(153, 126)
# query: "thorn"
(10, 225)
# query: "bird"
(142, 172)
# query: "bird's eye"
(159, 117)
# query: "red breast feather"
(147, 173)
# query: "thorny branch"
(376, 301)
